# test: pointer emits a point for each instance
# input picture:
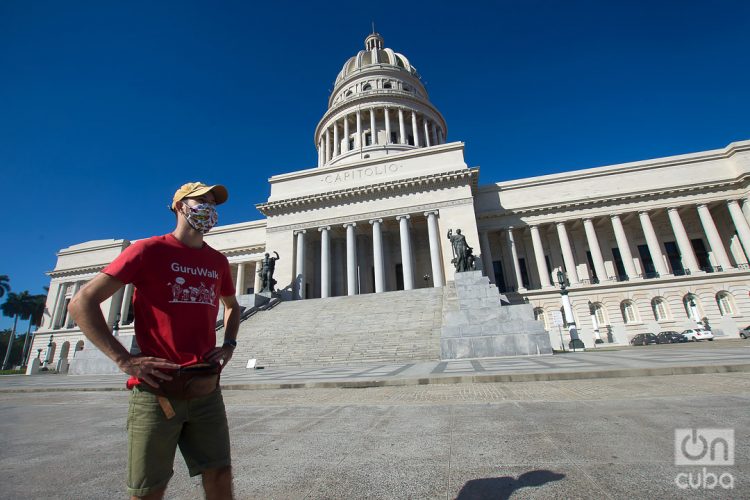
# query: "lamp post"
(575, 342)
(694, 310)
(595, 324)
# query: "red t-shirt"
(176, 297)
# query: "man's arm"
(85, 310)
(224, 353)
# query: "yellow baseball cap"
(192, 189)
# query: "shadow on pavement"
(501, 488)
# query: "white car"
(695, 334)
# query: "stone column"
(401, 127)
(336, 140)
(683, 242)
(514, 256)
(414, 128)
(377, 255)
(127, 297)
(624, 246)
(541, 264)
(746, 208)
(351, 259)
(358, 139)
(740, 223)
(435, 258)
(714, 239)
(387, 126)
(653, 243)
(320, 152)
(328, 145)
(346, 133)
(433, 133)
(596, 252)
(325, 261)
(373, 134)
(62, 289)
(239, 285)
(300, 281)
(441, 138)
(258, 283)
(567, 251)
(403, 225)
(426, 133)
(484, 247)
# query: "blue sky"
(107, 107)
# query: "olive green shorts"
(199, 428)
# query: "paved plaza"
(611, 437)
(608, 438)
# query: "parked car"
(745, 332)
(644, 339)
(696, 334)
(670, 337)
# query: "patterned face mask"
(202, 217)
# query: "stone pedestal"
(33, 367)
(91, 361)
(476, 323)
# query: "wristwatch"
(230, 342)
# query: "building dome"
(379, 106)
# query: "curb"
(444, 379)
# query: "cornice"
(431, 181)
(380, 214)
(75, 271)
(120, 244)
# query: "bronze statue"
(266, 273)
(463, 254)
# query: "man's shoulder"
(213, 252)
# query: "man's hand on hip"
(148, 369)
(220, 355)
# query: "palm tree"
(36, 315)
(4, 286)
(16, 306)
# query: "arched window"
(540, 315)
(348, 93)
(79, 345)
(65, 350)
(692, 306)
(601, 317)
(629, 314)
(387, 85)
(725, 302)
(366, 87)
(659, 307)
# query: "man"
(178, 280)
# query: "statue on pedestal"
(266, 273)
(463, 254)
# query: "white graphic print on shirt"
(182, 292)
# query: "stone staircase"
(400, 326)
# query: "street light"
(595, 324)
(575, 342)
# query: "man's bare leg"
(217, 483)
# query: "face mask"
(202, 217)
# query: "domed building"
(646, 246)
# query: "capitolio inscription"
(361, 173)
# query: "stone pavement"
(606, 438)
(674, 359)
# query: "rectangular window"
(621, 274)
(701, 254)
(590, 260)
(524, 272)
(399, 277)
(649, 270)
(499, 276)
(674, 258)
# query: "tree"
(17, 305)
(4, 286)
(36, 315)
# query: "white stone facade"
(646, 246)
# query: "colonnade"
(331, 145)
(688, 259)
(352, 275)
